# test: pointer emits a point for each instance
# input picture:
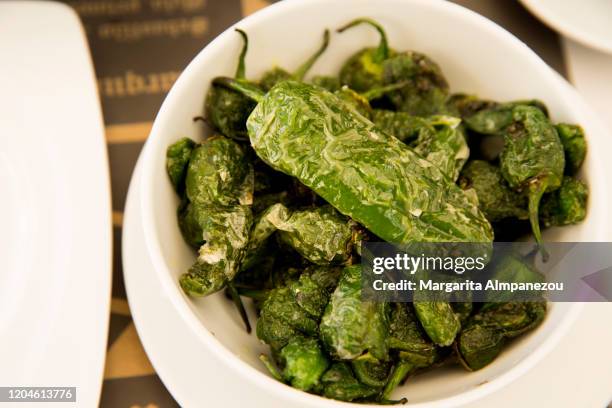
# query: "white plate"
(574, 374)
(55, 218)
(589, 22)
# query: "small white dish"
(588, 22)
(55, 217)
(476, 56)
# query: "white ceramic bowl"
(476, 56)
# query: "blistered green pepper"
(366, 174)
(567, 205)
(351, 327)
(225, 232)
(218, 182)
(497, 116)
(426, 90)
(219, 174)
(574, 146)
(447, 147)
(485, 334)
(364, 69)
(532, 158)
(277, 74)
(228, 110)
(495, 198)
(177, 159)
(296, 308)
(340, 383)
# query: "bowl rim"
(172, 291)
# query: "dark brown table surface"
(139, 47)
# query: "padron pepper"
(350, 327)
(217, 216)
(364, 70)
(288, 324)
(372, 177)
(277, 74)
(495, 198)
(215, 184)
(506, 317)
(483, 338)
(426, 90)
(227, 110)
(296, 307)
(532, 158)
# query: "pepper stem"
(239, 305)
(241, 70)
(377, 92)
(247, 89)
(397, 376)
(305, 67)
(382, 52)
(536, 190)
(271, 367)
